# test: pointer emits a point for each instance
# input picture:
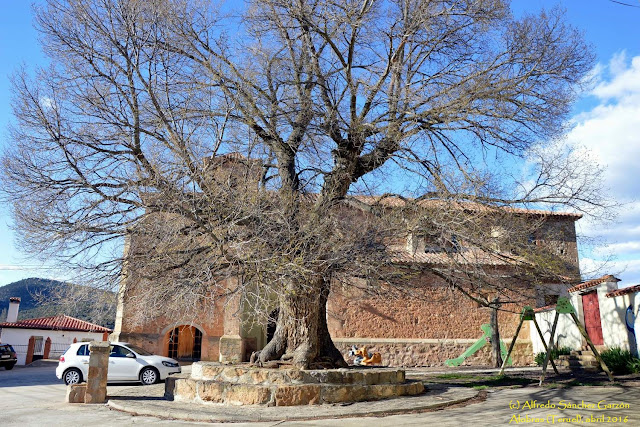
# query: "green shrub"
(562, 351)
(620, 361)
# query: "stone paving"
(34, 397)
(212, 382)
(149, 401)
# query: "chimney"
(14, 306)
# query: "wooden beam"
(513, 343)
(546, 349)
(551, 347)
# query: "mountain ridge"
(46, 297)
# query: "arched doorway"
(184, 343)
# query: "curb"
(209, 413)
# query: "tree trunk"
(496, 354)
(302, 335)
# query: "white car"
(126, 363)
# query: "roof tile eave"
(544, 309)
(60, 322)
(623, 291)
(592, 283)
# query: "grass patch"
(455, 376)
(620, 361)
(555, 353)
(480, 387)
(578, 383)
(482, 382)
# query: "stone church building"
(438, 324)
(408, 332)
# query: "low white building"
(45, 337)
(611, 316)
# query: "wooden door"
(173, 343)
(186, 340)
(591, 309)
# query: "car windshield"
(140, 351)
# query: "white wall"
(612, 318)
(567, 333)
(60, 340)
(635, 300)
(612, 315)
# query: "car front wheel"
(149, 376)
(72, 376)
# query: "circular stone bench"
(212, 382)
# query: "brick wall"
(438, 313)
(438, 325)
(417, 352)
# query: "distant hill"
(44, 297)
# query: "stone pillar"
(76, 393)
(30, 349)
(231, 343)
(97, 376)
(47, 348)
(122, 289)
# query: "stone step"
(587, 368)
(588, 358)
(583, 363)
(201, 391)
(583, 358)
(269, 376)
(599, 347)
(582, 351)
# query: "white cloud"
(46, 102)
(618, 63)
(611, 132)
(624, 83)
(14, 267)
(627, 270)
(621, 248)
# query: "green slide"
(486, 338)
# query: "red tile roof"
(624, 291)
(545, 308)
(396, 201)
(594, 282)
(58, 323)
(465, 256)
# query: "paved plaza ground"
(32, 396)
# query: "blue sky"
(606, 121)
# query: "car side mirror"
(131, 355)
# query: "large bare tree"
(136, 125)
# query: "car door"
(122, 364)
(82, 359)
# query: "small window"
(173, 343)
(197, 345)
(454, 242)
(83, 350)
(118, 351)
(551, 299)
